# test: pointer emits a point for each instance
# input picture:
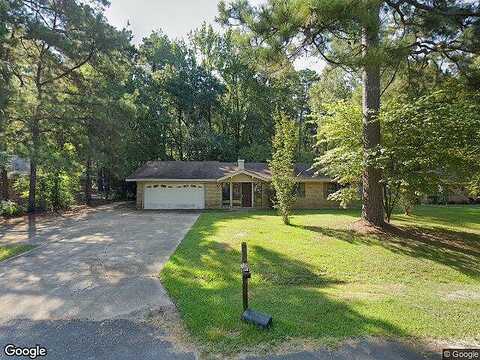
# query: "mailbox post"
(251, 316)
(245, 275)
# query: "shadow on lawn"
(204, 278)
(276, 269)
(444, 215)
(456, 249)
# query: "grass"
(324, 282)
(11, 250)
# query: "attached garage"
(174, 196)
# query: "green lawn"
(323, 282)
(12, 250)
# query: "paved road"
(90, 282)
(372, 349)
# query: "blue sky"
(175, 17)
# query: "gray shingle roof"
(209, 170)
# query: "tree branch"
(70, 70)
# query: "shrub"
(54, 191)
(10, 208)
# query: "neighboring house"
(456, 194)
(216, 185)
(19, 166)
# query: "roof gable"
(245, 172)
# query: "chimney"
(241, 164)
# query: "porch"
(244, 194)
(245, 189)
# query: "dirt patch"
(240, 235)
(223, 246)
(168, 320)
(288, 346)
(363, 227)
(463, 295)
(371, 293)
(439, 345)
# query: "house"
(216, 185)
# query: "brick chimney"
(241, 164)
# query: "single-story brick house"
(216, 185)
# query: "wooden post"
(244, 252)
(231, 194)
(253, 192)
(245, 276)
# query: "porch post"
(231, 194)
(253, 194)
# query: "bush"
(10, 208)
(54, 191)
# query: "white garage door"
(164, 196)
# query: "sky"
(176, 18)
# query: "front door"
(246, 194)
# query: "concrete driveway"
(94, 278)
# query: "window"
(225, 194)
(299, 190)
(330, 188)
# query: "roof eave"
(170, 180)
(312, 179)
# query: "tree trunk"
(106, 183)
(5, 186)
(33, 167)
(372, 196)
(209, 117)
(407, 210)
(35, 129)
(32, 185)
(88, 182)
(55, 194)
(4, 181)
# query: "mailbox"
(245, 271)
(249, 315)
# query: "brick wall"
(315, 197)
(266, 193)
(213, 195)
